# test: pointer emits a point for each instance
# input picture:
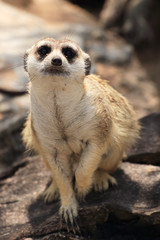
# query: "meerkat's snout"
(56, 61)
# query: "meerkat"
(78, 123)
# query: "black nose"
(56, 61)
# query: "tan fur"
(79, 124)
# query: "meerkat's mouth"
(55, 71)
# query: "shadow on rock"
(120, 211)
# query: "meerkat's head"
(56, 59)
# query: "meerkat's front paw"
(69, 214)
(101, 180)
(52, 193)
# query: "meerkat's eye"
(69, 53)
(44, 50)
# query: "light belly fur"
(67, 132)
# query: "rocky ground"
(132, 210)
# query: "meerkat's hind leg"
(108, 164)
(102, 179)
(51, 193)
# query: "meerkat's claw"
(82, 191)
(113, 181)
(80, 196)
(51, 194)
(69, 216)
(76, 226)
(102, 180)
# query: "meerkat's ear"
(25, 61)
(87, 62)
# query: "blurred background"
(122, 38)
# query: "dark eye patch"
(69, 53)
(43, 51)
(87, 63)
(25, 61)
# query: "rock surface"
(61, 11)
(24, 214)
(13, 112)
(147, 148)
(132, 17)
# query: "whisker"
(14, 67)
(33, 78)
